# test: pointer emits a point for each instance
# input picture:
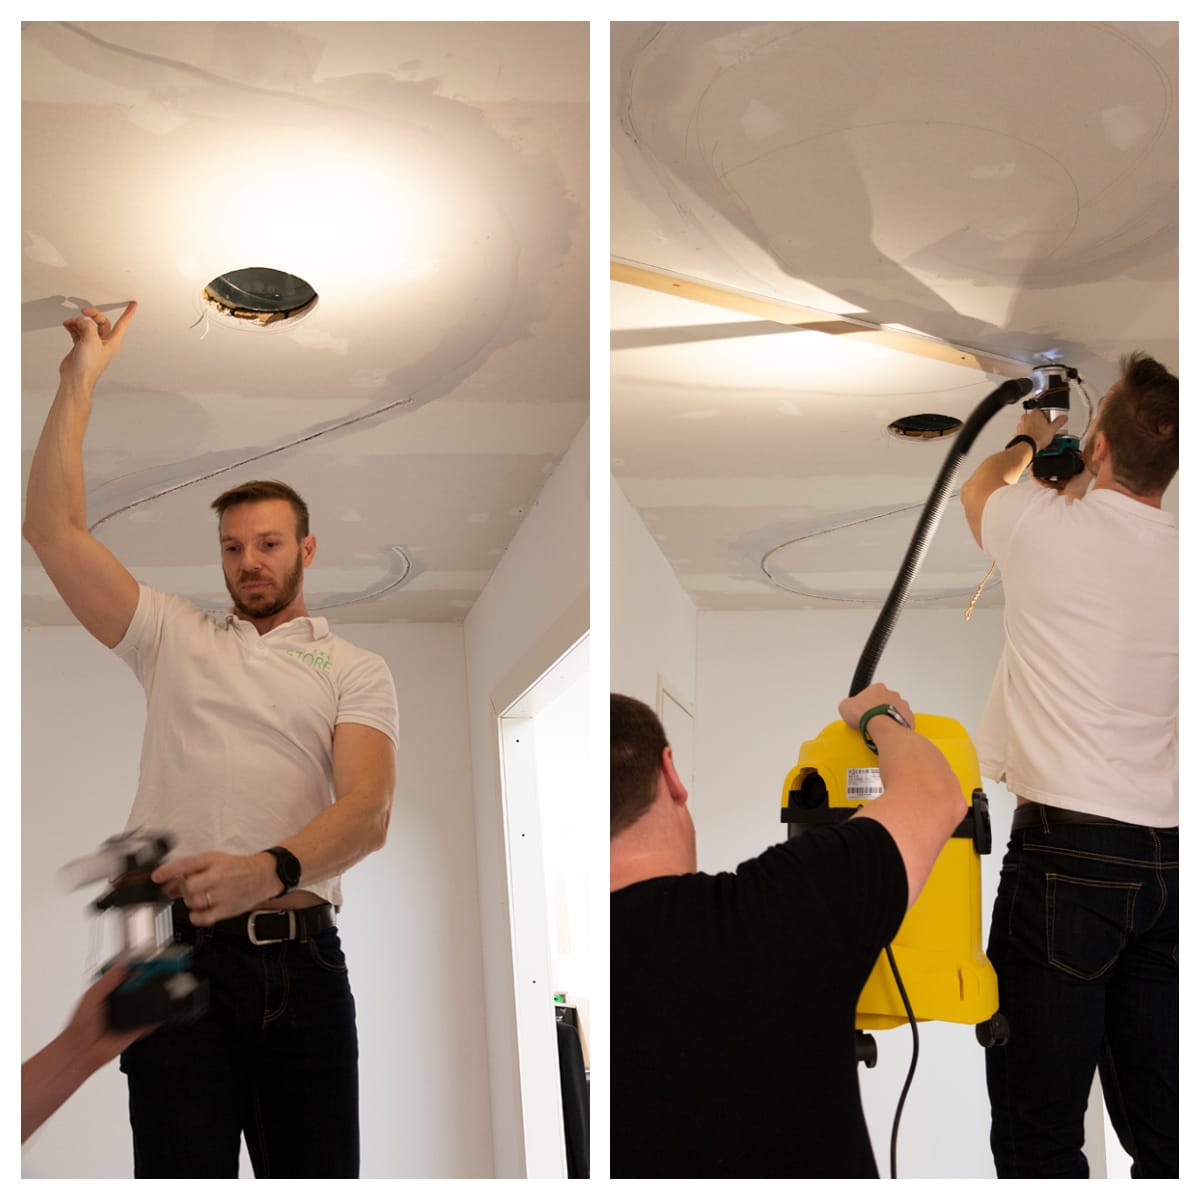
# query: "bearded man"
(269, 755)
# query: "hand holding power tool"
(1035, 423)
(159, 986)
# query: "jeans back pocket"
(1088, 922)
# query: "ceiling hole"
(260, 295)
(924, 426)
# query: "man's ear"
(675, 786)
(309, 546)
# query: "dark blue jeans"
(275, 1058)
(1085, 942)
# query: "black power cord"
(912, 1069)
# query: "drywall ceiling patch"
(260, 296)
(868, 180)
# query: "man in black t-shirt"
(733, 995)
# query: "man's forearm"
(216, 884)
(49, 1078)
(910, 763)
(364, 780)
(338, 837)
(1003, 467)
(55, 500)
(921, 801)
(55, 497)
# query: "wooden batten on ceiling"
(811, 320)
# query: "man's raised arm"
(87, 575)
(922, 802)
(1005, 467)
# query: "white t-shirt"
(237, 753)
(1083, 712)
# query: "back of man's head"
(638, 740)
(1140, 417)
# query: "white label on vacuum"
(863, 783)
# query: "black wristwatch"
(1023, 437)
(287, 867)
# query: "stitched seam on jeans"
(270, 1015)
(1162, 883)
(314, 952)
(1009, 868)
(1147, 864)
(260, 1132)
(1133, 885)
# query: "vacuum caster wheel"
(865, 1050)
(992, 1032)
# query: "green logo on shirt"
(319, 661)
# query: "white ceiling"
(429, 180)
(1007, 188)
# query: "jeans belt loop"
(255, 940)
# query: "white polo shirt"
(1083, 712)
(237, 753)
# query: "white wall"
(767, 682)
(410, 922)
(531, 611)
(653, 619)
(561, 743)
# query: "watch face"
(287, 867)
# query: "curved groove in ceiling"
(787, 564)
(398, 571)
(101, 494)
(397, 576)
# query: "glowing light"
(333, 214)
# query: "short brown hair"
(264, 489)
(1140, 417)
(637, 741)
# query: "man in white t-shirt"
(1082, 726)
(269, 754)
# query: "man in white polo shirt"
(269, 753)
(1082, 726)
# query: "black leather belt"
(1038, 816)
(264, 926)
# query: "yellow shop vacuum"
(937, 950)
(935, 969)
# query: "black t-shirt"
(733, 1004)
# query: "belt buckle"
(261, 912)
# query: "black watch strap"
(287, 867)
(1023, 437)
